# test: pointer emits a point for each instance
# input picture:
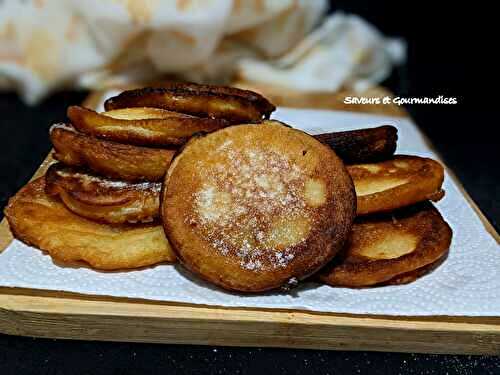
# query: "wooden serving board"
(64, 315)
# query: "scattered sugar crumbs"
(242, 199)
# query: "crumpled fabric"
(344, 52)
(49, 44)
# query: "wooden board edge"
(169, 323)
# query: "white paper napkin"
(467, 284)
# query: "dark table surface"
(463, 135)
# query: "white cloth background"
(48, 44)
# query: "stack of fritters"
(100, 203)
(246, 203)
(398, 235)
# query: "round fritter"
(399, 182)
(110, 159)
(102, 199)
(384, 247)
(256, 207)
(221, 102)
(44, 222)
(141, 126)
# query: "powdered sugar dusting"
(249, 206)
(62, 125)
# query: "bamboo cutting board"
(71, 316)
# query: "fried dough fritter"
(389, 247)
(411, 276)
(101, 199)
(111, 159)
(141, 126)
(256, 207)
(363, 145)
(42, 221)
(221, 102)
(396, 183)
(125, 202)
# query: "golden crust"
(256, 207)
(111, 159)
(411, 276)
(399, 182)
(42, 221)
(169, 129)
(363, 145)
(384, 247)
(229, 103)
(101, 199)
(137, 113)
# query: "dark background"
(446, 56)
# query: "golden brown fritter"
(256, 207)
(141, 126)
(411, 276)
(110, 159)
(221, 102)
(399, 182)
(102, 199)
(43, 221)
(363, 145)
(386, 247)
